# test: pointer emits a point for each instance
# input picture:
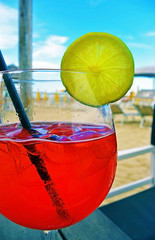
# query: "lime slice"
(102, 69)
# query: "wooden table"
(95, 227)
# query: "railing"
(124, 154)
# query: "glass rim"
(22, 70)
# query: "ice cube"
(54, 137)
(64, 138)
(99, 129)
(41, 131)
(66, 130)
(85, 135)
(19, 134)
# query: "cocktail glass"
(61, 171)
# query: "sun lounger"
(144, 111)
(117, 109)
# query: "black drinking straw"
(36, 159)
(14, 95)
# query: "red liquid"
(51, 184)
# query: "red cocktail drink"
(58, 177)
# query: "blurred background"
(56, 24)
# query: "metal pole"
(153, 82)
(153, 153)
(153, 128)
(25, 53)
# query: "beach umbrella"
(147, 71)
(38, 96)
(56, 97)
(45, 98)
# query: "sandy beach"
(129, 135)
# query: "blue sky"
(56, 24)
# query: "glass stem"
(51, 235)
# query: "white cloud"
(46, 54)
(8, 27)
(139, 45)
(46, 64)
(49, 53)
(150, 34)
